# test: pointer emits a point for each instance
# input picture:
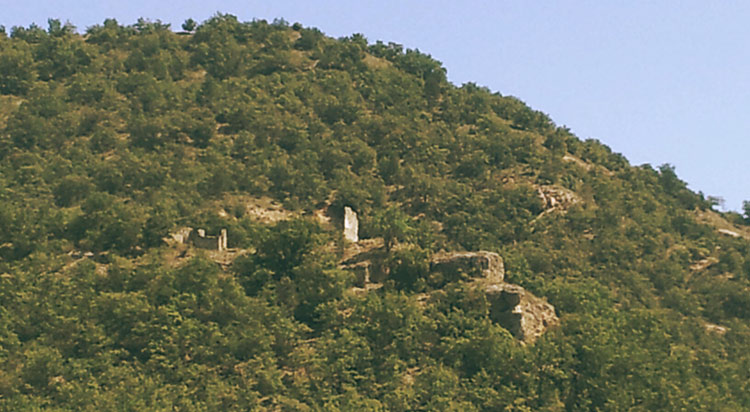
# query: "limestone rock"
(729, 232)
(458, 265)
(714, 328)
(523, 314)
(704, 263)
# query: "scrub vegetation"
(112, 139)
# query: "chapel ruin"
(199, 239)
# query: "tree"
(393, 226)
(16, 73)
(58, 29)
(189, 25)
(719, 201)
(409, 268)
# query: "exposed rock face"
(511, 306)
(556, 197)
(704, 263)
(266, 210)
(351, 225)
(459, 265)
(729, 232)
(714, 328)
(523, 314)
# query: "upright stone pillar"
(223, 240)
(351, 225)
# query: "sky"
(658, 81)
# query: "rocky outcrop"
(467, 265)
(511, 306)
(524, 315)
(714, 328)
(728, 232)
(265, 210)
(553, 197)
(721, 224)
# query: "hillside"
(115, 141)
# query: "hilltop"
(114, 140)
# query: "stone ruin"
(199, 239)
(181, 235)
(351, 225)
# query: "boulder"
(523, 314)
(462, 265)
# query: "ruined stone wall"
(199, 239)
(182, 235)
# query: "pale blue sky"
(659, 81)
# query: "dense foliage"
(112, 139)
